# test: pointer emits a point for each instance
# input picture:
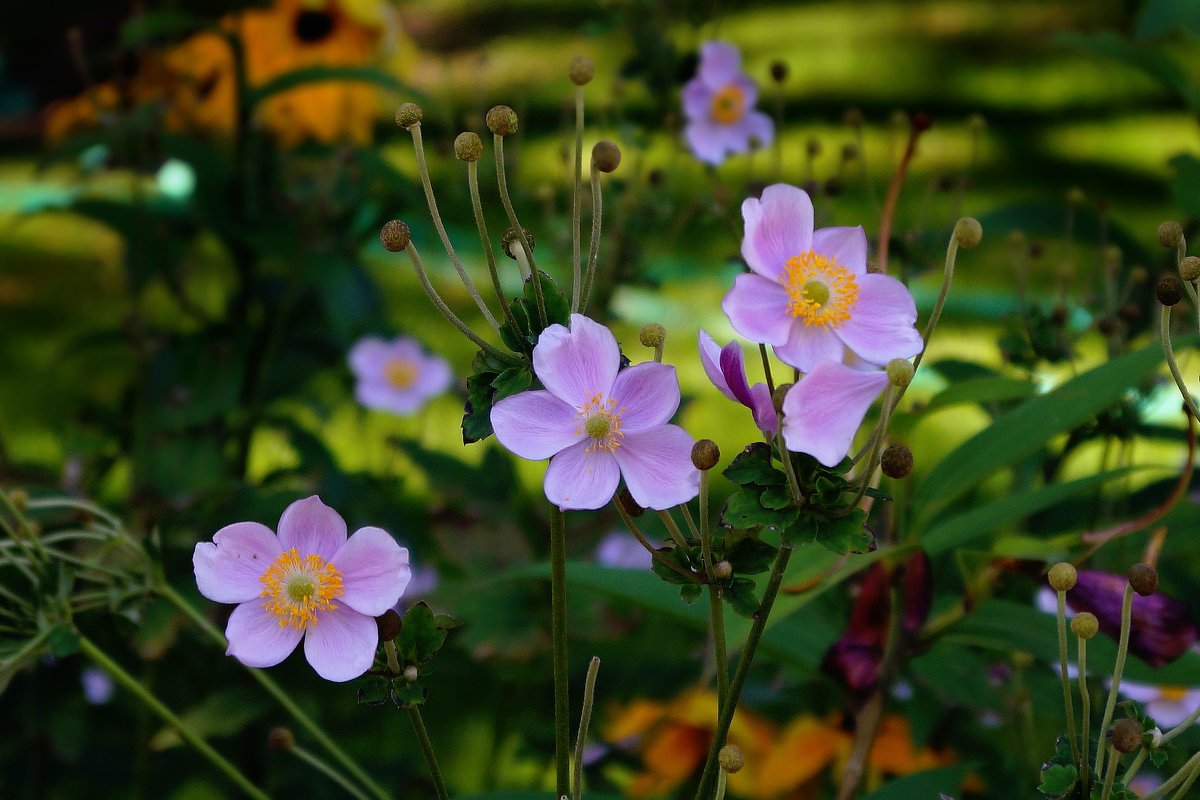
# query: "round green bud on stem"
(581, 70)
(389, 625)
(779, 71)
(411, 673)
(1126, 735)
(281, 740)
(705, 454)
(1169, 289)
(968, 232)
(1085, 625)
(1169, 234)
(731, 758)
(722, 570)
(468, 146)
(629, 505)
(606, 156)
(900, 372)
(652, 335)
(509, 236)
(1189, 268)
(409, 114)
(780, 394)
(502, 120)
(896, 461)
(1062, 577)
(395, 235)
(1143, 578)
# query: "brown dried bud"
(509, 236)
(606, 156)
(652, 335)
(705, 454)
(1169, 234)
(968, 232)
(1189, 268)
(581, 70)
(779, 71)
(1126, 735)
(1107, 326)
(833, 186)
(1143, 578)
(896, 461)
(408, 114)
(1130, 313)
(395, 235)
(281, 740)
(731, 758)
(502, 120)
(813, 147)
(853, 117)
(849, 151)
(1062, 577)
(1059, 315)
(921, 122)
(1085, 625)
(1169, 289)
(468, 146)
(389, 625)
(627, 502)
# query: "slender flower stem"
(890, 201)
(577, 205)
(329, 772)
(668, 521)
(486, 243)
(1085, 708)
(1111, 775)
(641, 537)
(1066, 680)
(431, 201)
(716, 608)
(506, 201)
(134, 687)
(1187, 784)
(1122, 650)
(1134, 765)
(276, 691)
(788, 468)
(722, 779)
(585, 719)
(594, 239)
(725, 717)
(439, 785)
(766, 362)
(393, 658)
(1185, 772)
(1182, 726)
(940, 303)
(558, 633)
(1164, 333)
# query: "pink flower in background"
(308, 582)
(825, 408)
(396, 375)
(620, 550)
(727, 371)
(719, 105)
(1168, 705)
(597, 425)
(809, 295)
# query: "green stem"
(1085, 708)
(1111, 775)
(577, 206)
(134, 687)
(1164, 334)
(669, 523)
(558, 632)
(1134, 765)
(657, 556)
(1066, 680)
(1122, 650)
(506, 201)
(585, 718)
(1183, 726)
(766, 362)
(329, 772)
(716, 609)
(439, 785)
(1185, 773)
(594, 241)
(486, 243)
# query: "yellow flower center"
(1172, 694)
(728, 104)
(600, 419)
(295, 588)
(820, 290)
(401, 373)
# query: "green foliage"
(1058, 780)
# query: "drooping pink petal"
(575, 364)
(647, 395)
(808, 346)
(375, 571)
(758, 309)
(880, 326)
(229, 567)
(341, 645)
(719, 63)
(824, 410)
(763, 406)
(312, 527)
(256, 638)
(579, 479)
(657, 466)
(778, 227)
(536, 424)
(734, 370)
(697, 100)
(847, 246)
(710, 359)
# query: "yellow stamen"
(401, 373)
(1172, 694)
(820, 290)
(600, 419)
(295, 588)
(728, 104)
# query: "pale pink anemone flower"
(310, 581)
(597, 424)
(809, 295)
(396, 375)
(726, 369)
(719, 105)
(826, 407)
(1167, 705)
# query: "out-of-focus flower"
(824, 409)
(98, 687)
(310, 581)
(726, 369)
(809, 295)
(597, 425)
(1167, 705)
(1144, 784)
(719, 105)
(1162, 629)
(619, 549)
(801, 753)
(397, 375)
(895, 754)
(64, 117)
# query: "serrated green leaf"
(669, 575)
(690, 592)
(743, 510)
(753, 467)
(511, 381)
(846, 534)
(63, 640)
(477, 416)
(409, 694)
(751, 556)
(1058, 779)
(420, 638)
(741, 598)
(775, 497)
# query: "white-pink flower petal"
(536, 424)
(312, 527)
(881, 326)
(256, 638)
(847, 246)
(758, 309)
(341, 645)
(577, 363)
(579, 478)
(808, 346)
(647, 395)
(657, 466)
(824, 410)
(375, 571)
(778, 227)
(229, 568)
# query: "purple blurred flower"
(97, 685)
(825, 408)
(726, 370)
(396, 375)
(719, 106)
(310, 581)
(1161, 630)
(597, 425)
(810, 296)
(619, 549)
(1168, 705)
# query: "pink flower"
(396, 375)
(310, 581)
(1168, 705)
(825, 408)
(726, 370)
(719, 105)
(597, 425)
(809, 295)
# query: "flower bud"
(921, 122)
(779, 71)
(896, 461)
(833, 186)
(19, 498)
(853, 117)
(900, 372)
(627, 502)
(1130, 313)
(606, 156)
(1107, 326)
(502, 120)
(581, 70)
(1085, 625)
(1075, 196)
(1138, 276)
(468, 146)
(1126, 735)
(1143, 578)
(968, 232)
(411, 673)
(509, 236)
(849, 151)
(408, 114)
(1169, 289)
(652, 335)
(977, 123)
(1062, 577)
(1169, 234)
(395, 235)
(722, 570)
(1059, 315)
(780, 393)
(1155, 738)
(731, 758)
(813, 147)
(281, 740)
(1189, 268)
(705, 454)
(389, 625)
